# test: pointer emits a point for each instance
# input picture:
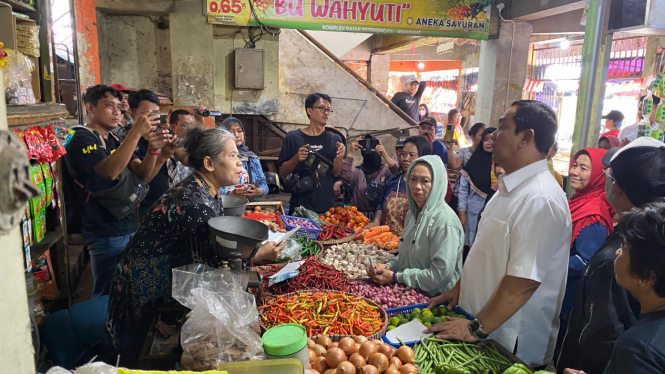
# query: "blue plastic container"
(312, 234)
(407, 309)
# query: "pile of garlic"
(354, 258)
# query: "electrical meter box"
(249, 70)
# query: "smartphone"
(450, 134)
(370, 143)
(163, 119)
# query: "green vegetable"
(306, 213)
(445, 357)
(459, 371)
(518, 369)
(543, 372)
(441, 368)
(309, 248)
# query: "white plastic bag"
(217, 330)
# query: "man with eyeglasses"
(603, 310)
(298, 144)
(409, 100)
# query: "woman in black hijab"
(476, 181)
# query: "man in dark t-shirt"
(409, 100)
(298, 144)
(95, 160)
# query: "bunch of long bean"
(445, 357)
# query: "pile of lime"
(427, 317)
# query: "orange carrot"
(384, 235)
(372, 234)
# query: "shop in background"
(443, 85)
(553, 77)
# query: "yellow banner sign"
(455, 18)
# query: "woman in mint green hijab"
(430, 250)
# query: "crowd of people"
(577, 282)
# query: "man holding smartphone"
(145, 102)
(95, 159)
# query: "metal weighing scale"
(236, 239)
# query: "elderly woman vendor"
(430, 251)
(173, 233)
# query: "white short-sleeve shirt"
(524, 232)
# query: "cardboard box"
(270, 205)
(36, 82)
(7, 28)
(8, 23)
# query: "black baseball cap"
(400, 142)
(639, 168)
(428, 121)
(614, 115)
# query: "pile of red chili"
(329, 232)
(313, 275)
(324, 313)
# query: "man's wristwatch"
(476, 328)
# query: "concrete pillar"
(87, 42)
(501, 77)
(379, 72)
(192, 56)
(16, 344)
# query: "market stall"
(312, 310)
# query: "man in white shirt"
(514, 278)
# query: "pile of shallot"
(390, 296)
(358, 355)
(354, 258)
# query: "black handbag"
(303, 182)
(374, 192)
(121, 199)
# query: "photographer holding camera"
(370, 177)
(313, 156)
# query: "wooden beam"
(276, 130)
(30, 114)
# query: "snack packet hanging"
(63, 133)
(57, 148)
(31, 144)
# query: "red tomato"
(322, 218)
(331, 210)
(353, 209)
(328, 214)
(349, 225)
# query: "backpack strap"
(96, 134)
(70, 169)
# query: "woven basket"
(346, 239)
(376, 336)
(265, 265)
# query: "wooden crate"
(279, 209)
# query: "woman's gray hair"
(200, 143)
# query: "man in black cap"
(427, 128)
(613, 121)
(635, 175)
(409, 100)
